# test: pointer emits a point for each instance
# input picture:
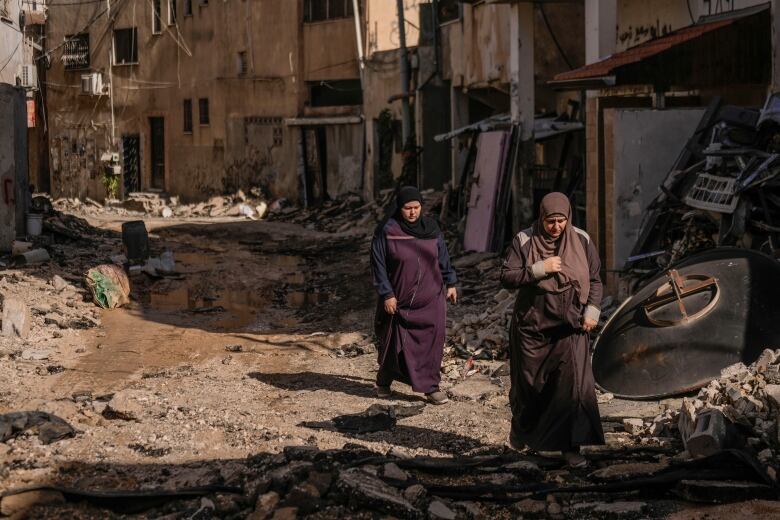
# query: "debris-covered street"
(376, 259)
(242, 382)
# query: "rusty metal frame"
(675, 290)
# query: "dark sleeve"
(594, 265)
(379, 267)
(516, 271)
(447, 271)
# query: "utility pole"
(522, 84)
(111, 74)
(359, 36)
(409, 173)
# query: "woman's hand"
(391, 305)
(588, 324)
(552, 265)
(452, 294)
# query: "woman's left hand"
(588, 325)
(452, 294)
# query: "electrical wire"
(10, 57)
(690, 13)
(552, 35)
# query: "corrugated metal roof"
(608, 66)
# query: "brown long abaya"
(553, 397)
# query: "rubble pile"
(741, 409)
(239, 204)
(349, 212)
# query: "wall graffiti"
(634, 35)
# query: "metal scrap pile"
(723, 190)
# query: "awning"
(697, 55)
(323, 121)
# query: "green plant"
(111, 183)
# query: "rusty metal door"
(491, 155)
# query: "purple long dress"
(416, 272)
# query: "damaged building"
(303, 99)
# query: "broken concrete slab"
(475, 388)
(633, 425)
(392, 471)
(438, 510)
(371, 492)
(16, 318)
(709, 435)
(126, 405)
(628, 470)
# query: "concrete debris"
(156, 205)
(745, 395)
(16, 318)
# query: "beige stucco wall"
(320, 39)
(638, 22)
(382, 24)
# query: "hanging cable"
(690, 13)
(552, 35)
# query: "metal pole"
(111, 75)
(359, 36)
(406, 123)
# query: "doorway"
(157, 130)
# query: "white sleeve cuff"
(592, 313)
(538, 270)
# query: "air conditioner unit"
(92, 83)
(28, 76)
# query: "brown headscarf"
(574, 260)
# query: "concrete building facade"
(194, 96)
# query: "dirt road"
(257, 342)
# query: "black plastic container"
(136, 240)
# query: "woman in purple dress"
(413, 277)
(555, 268)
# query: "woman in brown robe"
(555, 268)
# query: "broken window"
(125, 46)
(187, 116)
(75, 55)
(319, 10)
(336, 93)
(243, 66)
(203, 111)
(171, 12)
(187, 7)
(157, 17)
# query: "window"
(157, 17)
(203, 109)
(125, 46)
(187, 116)
(172, 12)
(75, 55)
(319, 10)
(187, 7)
(243, 66)
(336, 93)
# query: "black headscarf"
(424, 227)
